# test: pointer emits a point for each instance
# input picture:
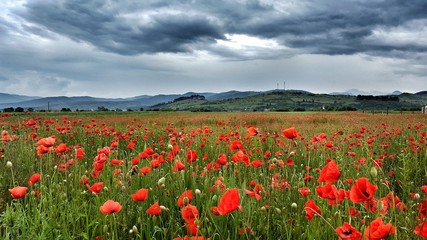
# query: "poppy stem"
(13, 177)
(321, 217)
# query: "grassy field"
(183, 175)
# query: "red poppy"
(252, 131)
(146, 153)
(191, 156)
(110, 206)
(42, 150)
(34, 179)
(304, 191)
(84, 180)
(372, 205)
(378, 230)
(311, 209)
(256, 163)
(331, 193)
(61, 148)
(80, 153)
(131, 145)
(362, 190)
(236, 145)
(95, 188)
(348, 232)
(192, 228)
(179, 166)
(330, 173)
(47, 142)
(241, 157)
(352, 211)
(290, 133)
(329, 144)
(253, 194)
(222, 160)
(421, 229)
(189, 213)
(154, 209)
(229, 201)
(145, 170)
(114, 162)
(188, 194)
(191, 238)
(140, 195)
(18, 192)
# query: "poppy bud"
(278, 210)
(380, 206)
(294, 205)
(161, 181)
(337, 214)
(134, 229)
(185, 200)
(214, 197)
(416, 196)
(164, 208)
(373, 172)
(9, 164)
(197, 192)
(263, 208)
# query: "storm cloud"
(84, 42)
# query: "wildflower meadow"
(182, 175)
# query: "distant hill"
(91, 103)
(273, 100)
(355, 92)
(230, 95)
(12, 98)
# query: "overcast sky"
(124, 48)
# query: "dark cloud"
(333, 27)
(103, 46)
(109, 30)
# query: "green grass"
(67, 210)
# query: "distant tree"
(9, 109)
(65, 110)
(141, 109)
(19, 109)
(102, 108)
(30, 109)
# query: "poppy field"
(169, 175)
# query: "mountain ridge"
(147, 101)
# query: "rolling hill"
(274, 100)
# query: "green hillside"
(299, 101)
